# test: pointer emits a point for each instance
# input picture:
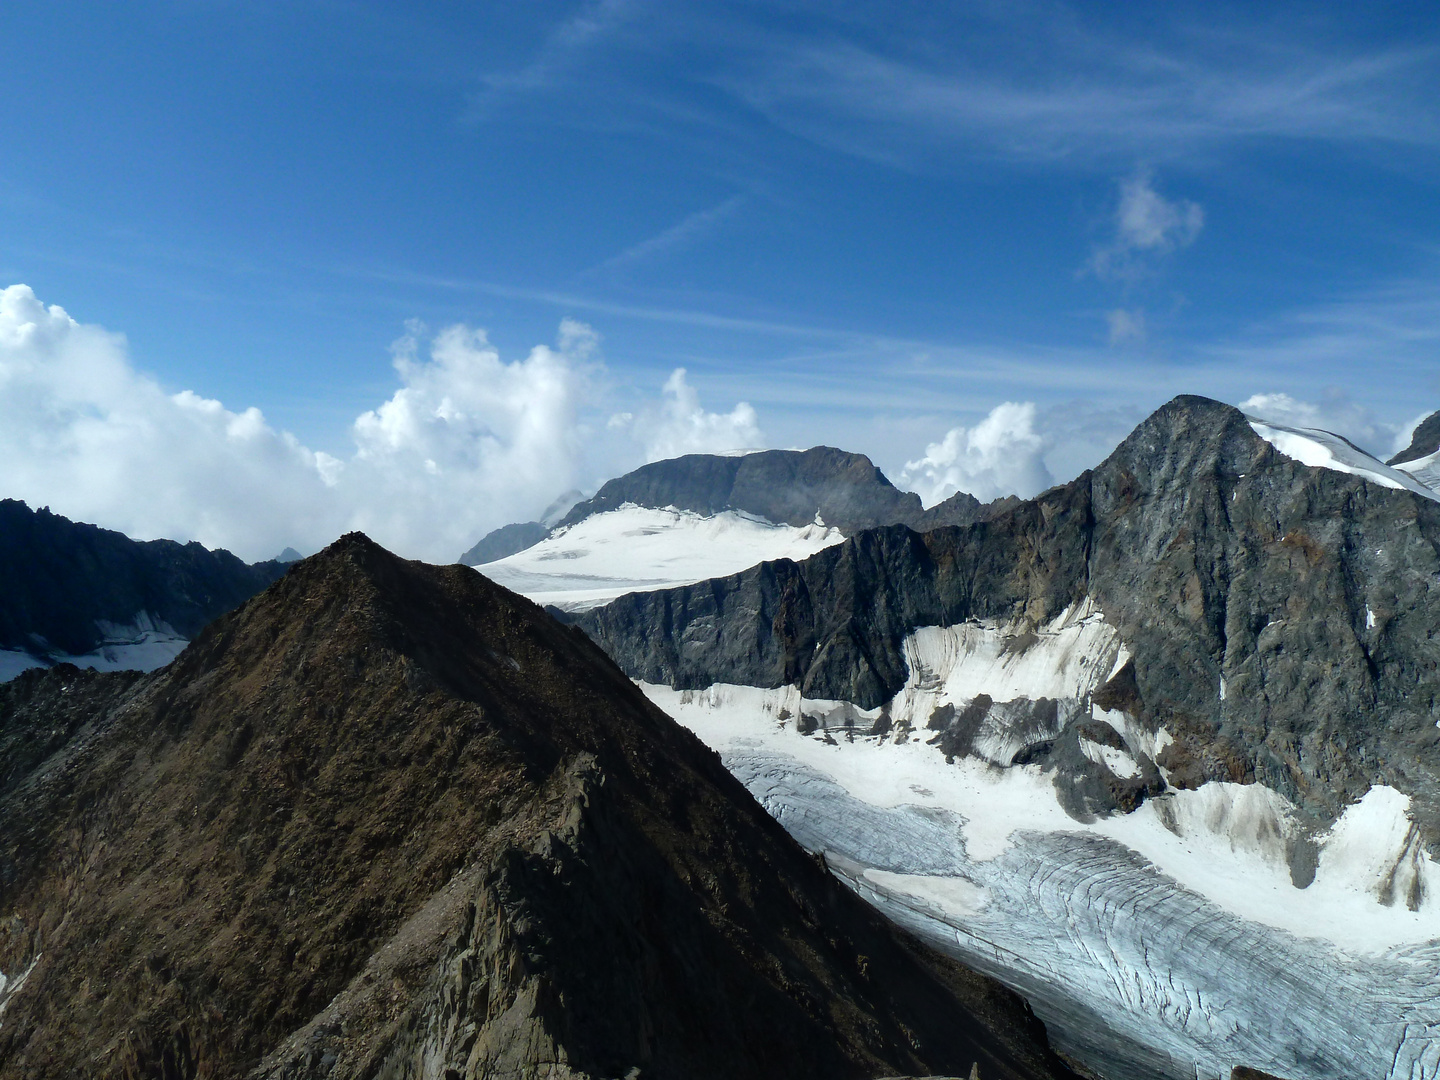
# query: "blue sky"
(873, 224)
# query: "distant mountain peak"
(65, 587)
(844, 490)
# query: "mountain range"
(388, 819)
(1205, 658)
(1158, 749)
(82, 594)
(690, 518)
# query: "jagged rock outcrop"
(60, 580)
(389, 820)
(1280, 617)
(1424, 441)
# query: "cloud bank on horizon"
(466, 443)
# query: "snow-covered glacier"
(639, 549)
(1326, 450)
(1171, 941)
(142, 644)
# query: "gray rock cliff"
(1282, 619)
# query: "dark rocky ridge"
(789, 487)
(1425, 441)
(58, 578)
(389, 820)
(1213, 554)
(506, 540)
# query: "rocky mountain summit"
(1158, 748)
(67, 588)
(786, 487)
(389, 820)
(1278, 618)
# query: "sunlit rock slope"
(390, 820)
(1161, 743)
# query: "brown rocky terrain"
(390, 820)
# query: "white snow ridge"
(638, 549)
(1325, 450)
(1176, 928)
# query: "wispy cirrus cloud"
(683, 233)
(563, 47)
(1087, 97)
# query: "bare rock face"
(1280, 617)
(389, 820)
(1424, 441)
(59, 580)
(506, 540)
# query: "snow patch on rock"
(1250, 818)
(9, 987)
(1374, 850)
(1067, 658)
(1119, 762)
(1425, 469)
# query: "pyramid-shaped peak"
(387, 805)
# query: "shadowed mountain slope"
(1280, 617)
(390, 820)
(1425, 441)
(60, 580)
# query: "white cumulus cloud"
(1147, 225)
(82, 431)
(467, 437)
(1001, 455)
(682, 426)
(467, 442)
(1335, 412)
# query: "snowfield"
(139, 645)
(1177, 926)
(1425, 469)
(638, 549)
(1324, 450)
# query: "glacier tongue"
(1167, 941)
(1126, 966)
